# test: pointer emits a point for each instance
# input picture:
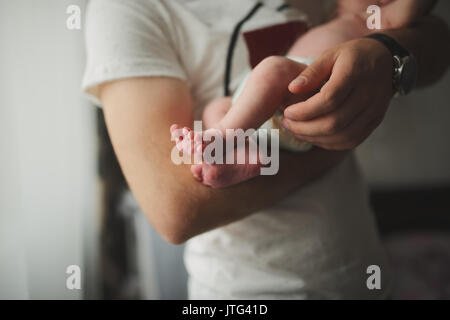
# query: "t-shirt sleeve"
(127, 39)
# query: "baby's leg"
(264, 93)
(215, 111)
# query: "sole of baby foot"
(224, 175)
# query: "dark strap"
(232, 45)
(234, 37)
(391, 44)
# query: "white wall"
(48, 186)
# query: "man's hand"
(353, 101)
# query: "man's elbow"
(174, 235)
(174, 221)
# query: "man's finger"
(330, 96)
(351, 136)
(323, 102)
(350, 145)
(332, 122)
(313, 76)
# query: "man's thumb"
(313, 76)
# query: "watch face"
(408, 75)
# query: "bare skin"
(178, 206)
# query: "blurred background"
(63, 200)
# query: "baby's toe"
(196, 170)
(173, 128)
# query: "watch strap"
(391, 44)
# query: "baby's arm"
(401, 13)
(395, 13)
(341, 29)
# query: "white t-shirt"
(316, 243)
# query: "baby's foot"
(191, 142)
(186, 139)
(225, 175)
(211, 174)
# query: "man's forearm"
(139, 113)
(429, 41)
(211, 208)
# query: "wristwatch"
(405, 64)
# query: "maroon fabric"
(273, 40)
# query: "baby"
(265, 91)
